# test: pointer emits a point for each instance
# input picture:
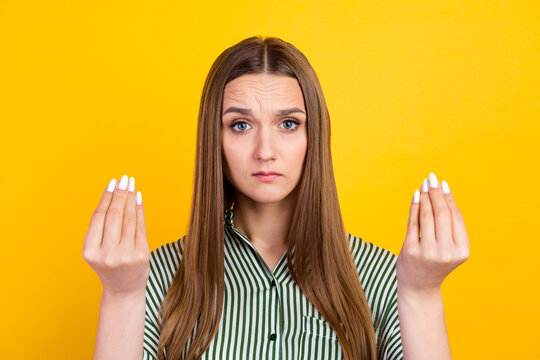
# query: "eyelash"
(290, 130)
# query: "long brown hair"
(318, 256)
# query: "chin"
(266, 196)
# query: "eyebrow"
(244, 111)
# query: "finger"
(127, 240)
(427, 228)
(461, 239)
(413, 230)
(140, 229)
(94, 235)
(441, 213)
(115, 214)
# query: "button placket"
(276, 326)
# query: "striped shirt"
(265, 315)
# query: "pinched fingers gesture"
(436, 241)
(115, 245)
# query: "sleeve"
(151, 336)
(376, 268)
(164, 262)
(388, 334)
(154, 297)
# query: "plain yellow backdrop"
(92, 90)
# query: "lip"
(266, 173)
(266, 178)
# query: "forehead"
(261, 88)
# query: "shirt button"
(272, 337)
(273, 283)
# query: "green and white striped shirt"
(265, 315)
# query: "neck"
(265, 224)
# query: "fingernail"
(111, 186)
(131, 184)
(445, 188)
(139, 198)
(424, 186)
(416, 197)
(123, 183)
(433, 180)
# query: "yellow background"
(96, 89)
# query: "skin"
(435, 244)
(264, 141)
(116, 248)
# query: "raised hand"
(436, 241)
(115, 245)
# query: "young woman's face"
(263, 129)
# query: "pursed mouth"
(266, 174)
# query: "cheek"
(300, 151)
(233, 158)
(226, 148)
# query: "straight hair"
(318, 255)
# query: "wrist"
(419, 294)
(110, 297)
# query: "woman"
(267, 269)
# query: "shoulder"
(376, 267)
(164, 262)
(367, 255)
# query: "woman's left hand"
(425, 261)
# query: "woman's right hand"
(115, 245)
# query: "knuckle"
(429, 256)
(110, 261)
(464, 254)
(125, 259)
(99, 212)
(90, 256)
(114, 215)
(412, 251)
(141, 256)
(457, 214)
(446, 258)
(425, 216)
(130, 221)
(140, 226)
(443, 212)
(130, 212)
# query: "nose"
(265, 144)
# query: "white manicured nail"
(122, 185)
(424, 186)
(416, 197)
(445, 188)
(139, 198)
(111, 186)
(433, 180)
(131, 184)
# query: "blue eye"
(239, 122)
(295, 122)
(291, 121)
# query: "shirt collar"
(281, 271)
